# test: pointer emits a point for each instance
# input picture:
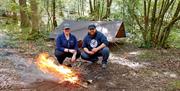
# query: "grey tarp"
(111, 29)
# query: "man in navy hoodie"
(66, 45)
(95, 44)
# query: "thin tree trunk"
(79, 13)
(102, 9)
(159, 24)
(23, 14)
(49, 17)
(91, 7)
(82, 7)
(61, 9)
(54, 14)
(153, 21)
(98, 9)
(168, 27)
(157, 32)
(14, 14)
(34, 16)
(108, 9)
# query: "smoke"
(28, 71)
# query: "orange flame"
(46, 64)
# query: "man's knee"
(58, 53)
(105, 51)
(84, 55)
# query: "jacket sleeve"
(59, 44)
(104, 40)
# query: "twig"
(82, 85)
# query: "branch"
(153, 15)
(135, 16)
(175, 17)
(177, 10)
(173, 21)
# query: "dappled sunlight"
(106, 32)
(135, 53)
(124, 61)
(170, 74)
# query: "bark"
(34, 16)
(23, 14)
(14, 14)
(108, 9)
(54, 14)
(91, 7)
(155, 29)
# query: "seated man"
(95, 44)
(66, 45)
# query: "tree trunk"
(108, 9)
(23, 14)
(168, 27)
(102, 9)
(54, 14)
(61, 8)
(34, 16)
(82, 8)
(49, 22)
(14, 14)
(155, 29)
(91, 7)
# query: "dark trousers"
(62, 55)
(103, 52)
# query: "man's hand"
(72, 51)
(91, 52)
(73, 59)
(66, 50)
(95, 50)
(88, 52)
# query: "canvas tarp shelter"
(111, 29)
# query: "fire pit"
(46, 64)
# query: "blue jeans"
(103, 52)
(62, 55)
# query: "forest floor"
(129, 69)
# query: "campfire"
(46, 64)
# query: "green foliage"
(42, 45)
(8, 5)
(174, 38)
(174, 85)
(11, 39)
(21, 38)
(79, 10)
(84, 18)
(13, 7)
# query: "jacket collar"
(65, 36)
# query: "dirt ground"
(129, 69)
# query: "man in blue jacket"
(66, 45)
(95, 44)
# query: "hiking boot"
(104, 66)
(95, 60)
